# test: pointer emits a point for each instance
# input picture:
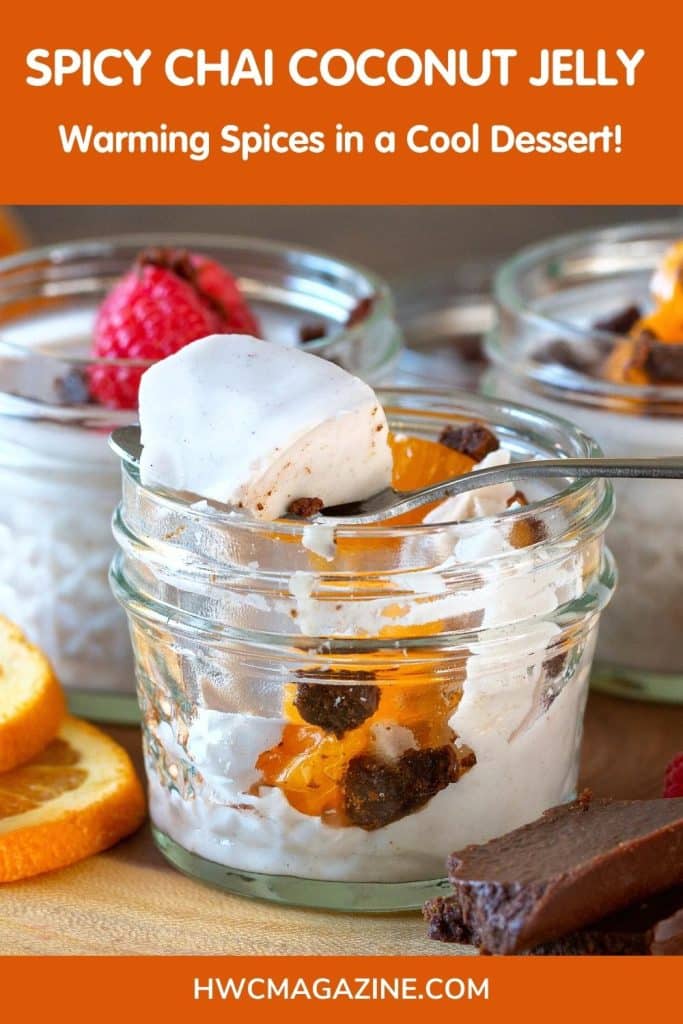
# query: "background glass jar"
(557, 292)
(326, 717)
(59, 480)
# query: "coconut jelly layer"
(519, 709)
(59, 484)
(526, 761)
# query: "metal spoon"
(389, 503)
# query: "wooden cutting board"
(129, 901)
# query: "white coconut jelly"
(350, 705)
(260, 427)
(59, 485)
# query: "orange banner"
(109, 990)
(304, 103)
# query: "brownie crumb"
(621, 322)
(473, 439)
(311, 332)
(527, 531)
(518, 498)
(471, 348)
(178, 261)
(662, 361)
(445, 923)
(466, 759)
(304, 508)
(336, 708)
(563, 353)
(554, 666)
(72, 388)
(360, 311)
(378, 792)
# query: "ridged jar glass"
(58, 479)
(326, 717)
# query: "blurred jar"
(550, 298)
(59, 480)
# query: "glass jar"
(326, 715)
(445, 316)
(59, 480)
(556, 293)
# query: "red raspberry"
(219, 286)
(167, 301)
(673, 777)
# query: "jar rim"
(595, 493)
(572, 384)
(59, 254)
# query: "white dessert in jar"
(351, 710)
(60, 482)
(59, 485)
(577, 317)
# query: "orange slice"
(78, 797)
(12, 237)
(419, 462)
(31, 701)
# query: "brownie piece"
(304, 508)
(651, 928)
(336, 707)
(662, 361)
(311, 332)
(518, 498)
(378, 792)
(561, 352)
(621, 322)
(575, 864)
(527, 531)
(473, 439)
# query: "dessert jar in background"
(547, 351)
(327, 715)
(445, 315)
(59, 481)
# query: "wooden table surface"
(129, 901)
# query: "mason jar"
(555, 294)
(60, 482)
(328, 713)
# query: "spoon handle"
(668, 468)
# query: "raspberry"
(168, 300)
(219, 287)
(673, 777)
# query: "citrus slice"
(419, 462)
(12, 236)
(31, 701)
(78, 797)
